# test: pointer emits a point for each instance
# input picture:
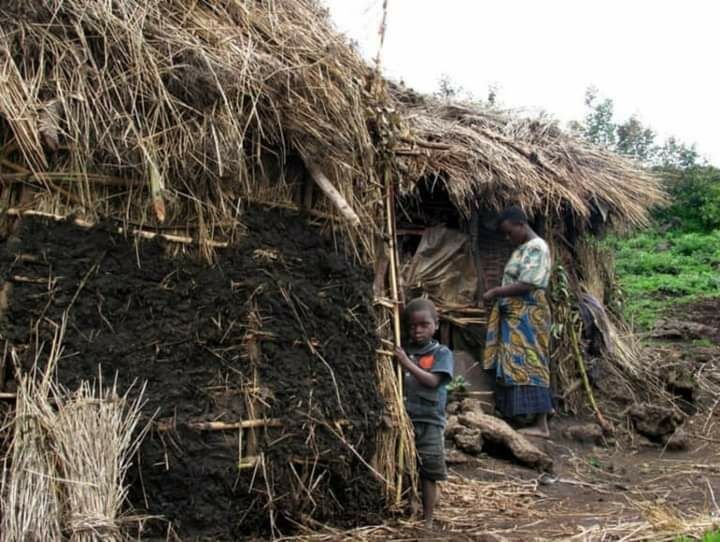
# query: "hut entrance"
(453, 260)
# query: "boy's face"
(422, 327)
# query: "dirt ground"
(628, 491)
(596, 487)
(626, 488)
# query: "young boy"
(428, 369)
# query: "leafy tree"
(492, 96)
(599, 127)
(694, 197)
(674, 154)
(636, 140)
(449, 91)
(630, 138)
(693, 185)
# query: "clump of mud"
(184, 328)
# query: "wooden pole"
(254, 354)
(332, 193)
(394, 294)
(133, 231)
(602, 422)
(226, 426)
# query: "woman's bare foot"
(538, 429)
(535, 432)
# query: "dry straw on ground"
(466, 508)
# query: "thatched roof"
(490, 158)
(179, 98)
(107, 107)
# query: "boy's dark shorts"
(430, 446)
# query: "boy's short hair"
(512, 214)
(421, 304)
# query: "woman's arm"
(510, 290)
(426, 378)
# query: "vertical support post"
(394, 293)
(253, 352)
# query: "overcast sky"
(658, 59)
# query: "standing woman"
(518, 331)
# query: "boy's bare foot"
(429, 523)
(415, 508)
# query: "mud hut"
(149, 150)
(209, 198)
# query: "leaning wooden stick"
(332, 193)
(394, 293)
(602, 422)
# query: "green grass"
(660, 271)
(710, 536)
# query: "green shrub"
(457, 385)
(658, 271)
(695, 197)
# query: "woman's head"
(513, 224)
(422, 320)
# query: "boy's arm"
(426, 378)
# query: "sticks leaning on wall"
(395, 297)
(332, 193)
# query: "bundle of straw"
(95, 436)
(31, 501)
(68, 459)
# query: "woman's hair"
(420, 304)
(512, 214)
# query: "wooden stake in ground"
(602, 422)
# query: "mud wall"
(281, 327)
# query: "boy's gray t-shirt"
(423, 404)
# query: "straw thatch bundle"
(31, 507)
(491, 158)
(68, 459)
